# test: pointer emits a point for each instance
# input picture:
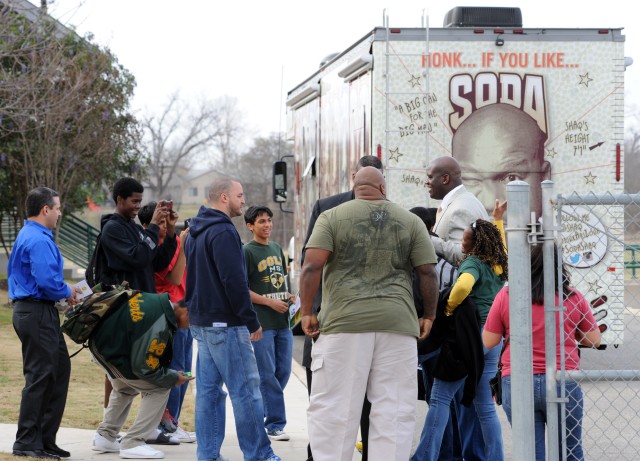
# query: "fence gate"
(599, 241)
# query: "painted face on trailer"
(498, 144)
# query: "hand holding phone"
(183, 377)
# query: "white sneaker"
(278, 434)
(184, 436)
(105, 445)
(141, 452)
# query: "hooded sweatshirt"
(217, 285)
(130, 250)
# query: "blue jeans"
(573, 416)
(442, 393)
(450, 449)
(181, 361)
(482, 414)
(225, 355)
(472, 441)
(274, 353)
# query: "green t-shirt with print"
(486, 287)
(367, 280)
(267, 274)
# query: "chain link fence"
(599, 239)
(598, 242)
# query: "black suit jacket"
(320, 206)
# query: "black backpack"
(82, 320)
(97, 265)
(98, 270)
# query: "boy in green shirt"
(267, 272)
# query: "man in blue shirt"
(35, 284)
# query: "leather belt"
(36, 300)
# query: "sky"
(257, 51)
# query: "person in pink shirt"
(172, 280)
(579, 328)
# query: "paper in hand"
(85, 290)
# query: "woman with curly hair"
(481, 275)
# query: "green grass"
(6, 329)
(84, 407)
(5, 317)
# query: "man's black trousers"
(46, 368)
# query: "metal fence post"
(550, 309)
(520, 321)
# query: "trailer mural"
(509, 104)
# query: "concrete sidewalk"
(78, 441)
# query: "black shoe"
(163, 439)
(39, 454)
(56, 450)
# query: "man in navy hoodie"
(224, 323)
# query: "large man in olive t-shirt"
(367, 329)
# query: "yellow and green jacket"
(135, 342)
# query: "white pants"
(345, 366)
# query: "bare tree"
(632, 162)
(230, 131)
(64, 119)
(182, 134)
(631, 166)
(172, 139)
(255, 169)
